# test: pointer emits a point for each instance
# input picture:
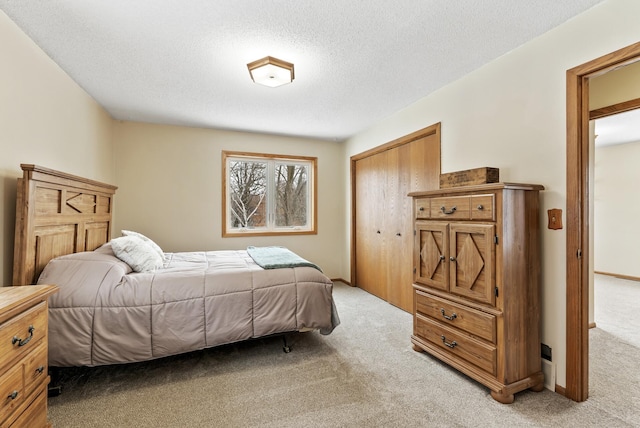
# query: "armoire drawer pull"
(480, 207)
(13, 395)
(421, 209)
(448, 317)
(22, 342)
(449, 344)
(40, 369)
(451, 211)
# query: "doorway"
(578, 186)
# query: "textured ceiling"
(356, 62)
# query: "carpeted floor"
(365, 374)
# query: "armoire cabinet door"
(472, 261)
(432, 240)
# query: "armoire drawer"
(451, 207)
(457, 344)
(477, 323)
(475, 207)
(423, 208)
(483, 207)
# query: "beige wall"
(171, 189)
(617, 209)
(45, 119)
(615, 87)
(510, 114)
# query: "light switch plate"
(555, 218)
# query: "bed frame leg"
(285, 347)
(55, 387)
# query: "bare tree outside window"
(266, 194)
(248, 188)
(291, 195)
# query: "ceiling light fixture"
(270, 71)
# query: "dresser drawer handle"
(450, 345)
(22, 342)
(450, 318)
(480, 207)
(421, 209)
(13, 395)
(40, 369)
(451, 211)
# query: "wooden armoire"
(477, 283)
(382, 230)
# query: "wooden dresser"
(476, 283)
(23, 355)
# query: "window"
(268, 194)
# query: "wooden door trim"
(421, 133)
(614, 109)
(577, 246)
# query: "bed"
(121, 301)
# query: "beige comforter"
(106, 314)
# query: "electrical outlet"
(545, 351)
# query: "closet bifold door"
(370, 179)
(383, 232)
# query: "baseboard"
(592, 325)
(341, 280)
(561, 390)
(617, 275)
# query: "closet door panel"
(370, 269)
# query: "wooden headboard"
(57, 214)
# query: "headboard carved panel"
(57, 214)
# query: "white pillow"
(153, 245)
(136, 253)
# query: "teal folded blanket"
(277, 258)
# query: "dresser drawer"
(36, 416)
(483, 207)
(35, 368)
(475, 322)
(423, 208)
(456, 343)
(451, 207)
(11, 391)
(22, 333)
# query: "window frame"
(312, 216)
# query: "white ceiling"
(356, 62)
(620, 128)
